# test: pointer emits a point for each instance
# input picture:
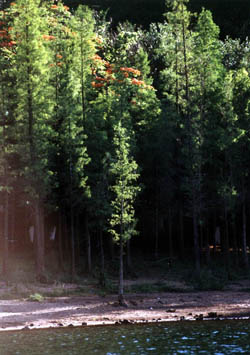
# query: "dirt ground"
(93, 309)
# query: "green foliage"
(124, 169)
(83, 128)
(36, 297)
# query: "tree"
(34, 108)
(178, 78)
(125, 172)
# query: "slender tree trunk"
(235, 245)
(121, 286)
(156, 230)
(207, 251)
(88, 240)
(6, 236)
(182, 246)
(244, 236)
(102, 273)
(170, 234)
(72, 234)
(226, 242)
(77, 240)
(12, 220)
(214, 233)
(196, 242)
(121, 271)
(60, 246)
(40, 267)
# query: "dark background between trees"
(232, 16)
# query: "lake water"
(207, 337)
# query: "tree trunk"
(77, 244)
(182, 246)
(121, 287)
(72, 238)
(226, 243)
(60, 247)
(156, 231)
(196, 243)
(6, 236)
(88, 240)
(235, 245)
(170, 234)
(207, 247)
(244, 236)
(102, 273)
(39, 231)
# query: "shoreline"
(122, 323)
(95, 310)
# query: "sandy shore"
(97, 310)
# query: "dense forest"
(119, 139)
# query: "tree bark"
(182, 246)
(102, 273)
(6, 236)
(88, 240)
(156, 230)
(121, 286)
(226, 242)
(170, 234)
(235, 244)
(244, 236)
(60, 247)
(196, 243)
(72, 238)
(39, 232)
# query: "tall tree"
(125, 171)
(34, 108)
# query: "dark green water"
(221, 337)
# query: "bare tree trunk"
(244, 236)
(170, 234)
(196, 243)
(12, 220)
(121, 287)
(207, 251)
(235, 244)
(77, 252)
(226, 242)
(88, 240)
(60, 247)
(156, 230)
(72, 237)
(39, 232)
(182, 234)
(102, 273)
(6, 236)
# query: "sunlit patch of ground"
(91, 308)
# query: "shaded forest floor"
(41, 306)
(86, 309)
(159, 290)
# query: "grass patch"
(36, 297)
